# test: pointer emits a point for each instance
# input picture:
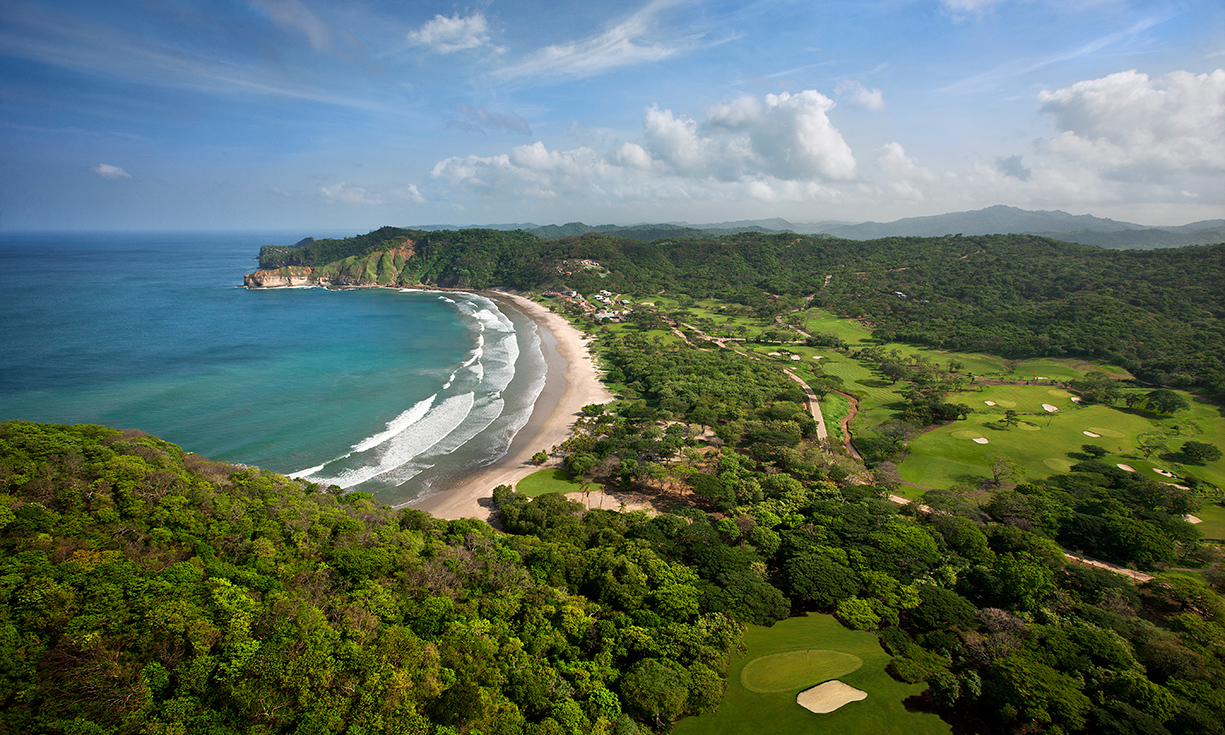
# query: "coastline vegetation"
(150, 590)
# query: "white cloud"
(447, 35)
(860, 96)
(1127, 126)
(624, 44)
(293, 14)
(411, 192)
(799, 141)
(343, 193)
(107, 171)
(785, 136)
(778, 148)
(906, 176)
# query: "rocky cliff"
(381, 268)
(282, 277)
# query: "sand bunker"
(773, 354)
(827, 697)
(1041, 377)
(1049, 408)
(981, 440)
(1127, 467)
(1075, 399)
(1090, 433)
(989, 403)
(818, 357)
(796, 357)
(1192, 519)
(1164, 473)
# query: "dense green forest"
(146, 589)
(1159, 314)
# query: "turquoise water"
(385, 391)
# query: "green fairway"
(1045, 442)
(785, 652)
(783, 672)
(547, 481)
(1213, 517)
(1050, 428)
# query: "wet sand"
(571, 383)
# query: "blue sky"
(339, 115)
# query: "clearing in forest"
(785, 651)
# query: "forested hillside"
(1157, 313)
(149, 590)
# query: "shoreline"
(549, 424)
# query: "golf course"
(798, 653)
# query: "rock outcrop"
(294, 275)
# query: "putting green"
(784, 672)
(1107, 432)
(1005, 403)
(1059, 465)
(1026, 426)
(1058, 393)
(747, 712)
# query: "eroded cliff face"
(281, 277)
(381, 268)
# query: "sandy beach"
(553, 416)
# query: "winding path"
(814, 405)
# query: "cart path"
(814, 405)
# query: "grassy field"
(1042, 444)
(1213, 516)
(833, 408)
(547, 481)
(1046, 443)
(801, 652)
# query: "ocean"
(390, 392)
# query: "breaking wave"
(468, 413)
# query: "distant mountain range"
(1000, 219)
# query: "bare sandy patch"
(981, 440)
(1164, 473)
(604, 499)
(1075, 399)
(1127, 467)
(1090, 433)
(1041, 377)
(989, 403)
(1192, 519)
(1049, 408)
(825, 698)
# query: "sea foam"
(411, 442)
(396, 425)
